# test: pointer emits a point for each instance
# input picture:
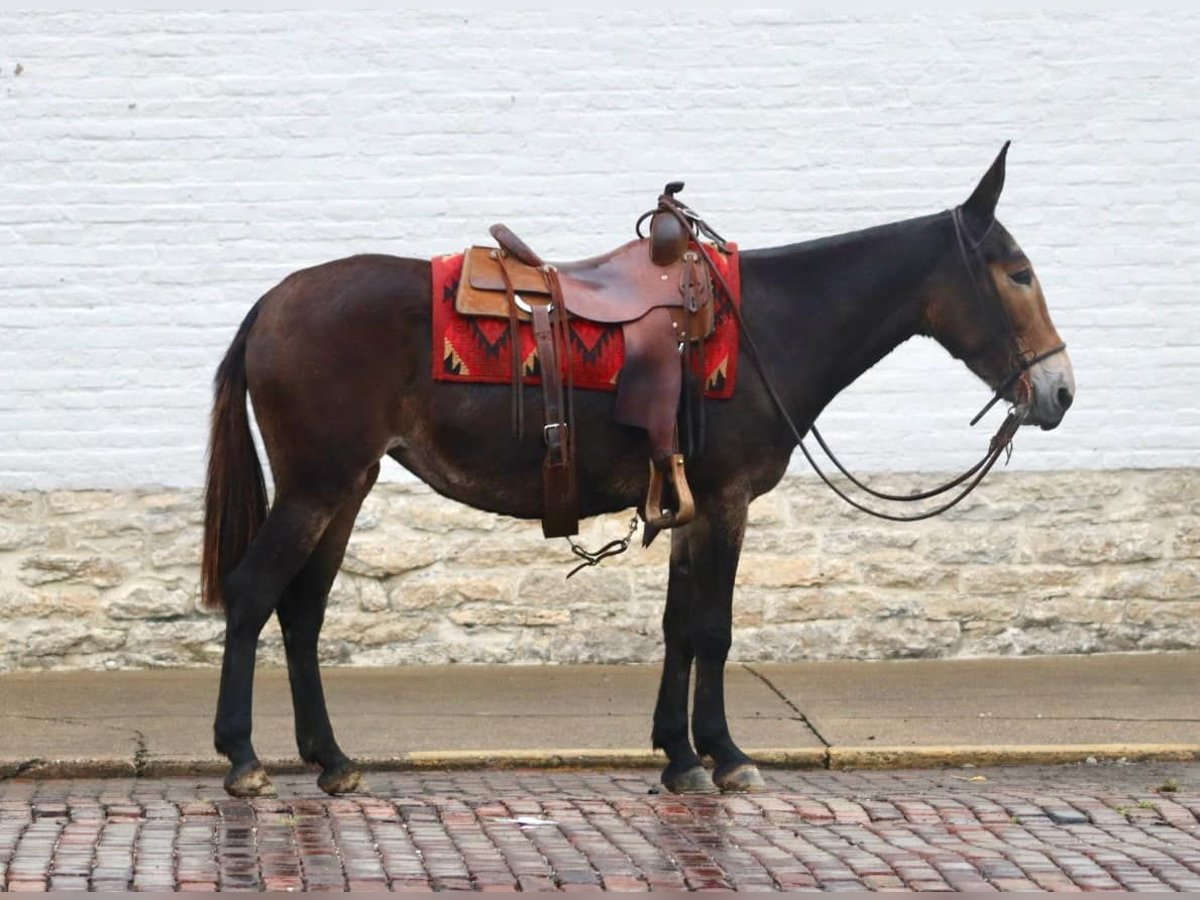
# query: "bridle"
(989, 299)
(1020, 358)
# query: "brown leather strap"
(514, 341)
(543, 335)
(561, 316)
(560, 516)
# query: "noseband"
(989, 299)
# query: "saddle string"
(1000, 443)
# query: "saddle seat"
(617, 287)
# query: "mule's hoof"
(249, 780)
(743, 779)
(340, 781)
(694, 781)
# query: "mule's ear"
(981, 205)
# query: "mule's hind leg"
(279, 550)
(301, 613)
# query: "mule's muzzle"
(1053, 383)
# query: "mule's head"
(985, 305)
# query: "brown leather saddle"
(658, 289)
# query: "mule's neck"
(825, 311)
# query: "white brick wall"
(159, 171)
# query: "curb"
(834, 758)
(1019, 755)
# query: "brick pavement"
(1101, 827)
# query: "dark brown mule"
(337, 362)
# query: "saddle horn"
(669, 236)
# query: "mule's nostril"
(1065, 399)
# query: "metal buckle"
(524, 307)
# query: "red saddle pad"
(476, 348)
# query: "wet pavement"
(1104, 826)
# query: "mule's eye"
(1025, 276)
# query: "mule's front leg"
(684, 773)
(715, 543)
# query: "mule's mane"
(851, 241)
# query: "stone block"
(1096, 544)
(48, 568)
(748, 609)
(182, 551)
(901, 638)
(866, 539)
(187, 503)
(371, 596)
(446, 518)
(1083, 610)
(374, 631)
(520, 547)
(19, 536)
(377, 556)
(768, 511)
(489, 614)
(46, 602)
(760, 570)
(881, 571)
(68, 503)
(970, 544)
(1168, 581)
(828, 604)
(152, 602)
(192, 641)
(984, 582)
(779, 540)
(1187, 539)
(1156, 614)
(602, 643)
(600, 591)
(20, 505)
(1171, 492)
(50, 641)
(845, 638)
(445, 593)
(967, 606)
(1030, 639)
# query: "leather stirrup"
(652, 511)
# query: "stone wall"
(1072, 562)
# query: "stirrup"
(653, 512)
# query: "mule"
(336, 360)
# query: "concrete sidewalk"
(821, 714)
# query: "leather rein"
(1001, 441)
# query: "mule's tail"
(235, 494)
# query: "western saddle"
(659, 289)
